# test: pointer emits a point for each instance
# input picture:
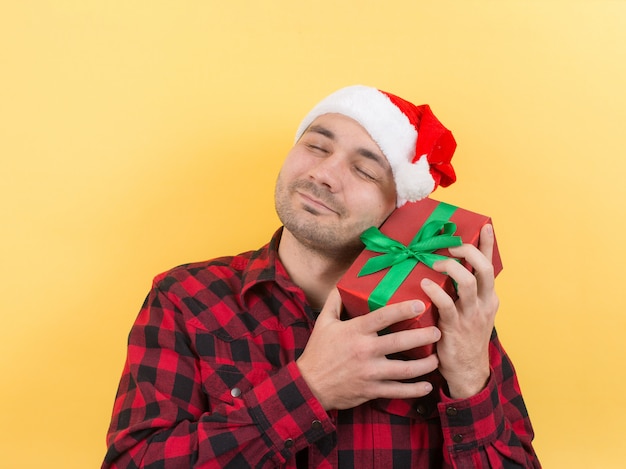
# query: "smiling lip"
(315, 202)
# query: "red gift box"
(362, 293)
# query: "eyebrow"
(318, 129)
(380, 159)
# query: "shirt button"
(457, 438)
(421, 409)
(235, 392)
(316, 425)
(288, 443)
(451, 411)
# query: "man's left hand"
(467, 323)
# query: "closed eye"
(365, 174)
(316, 148)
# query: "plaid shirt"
(211, 381)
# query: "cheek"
(376, 208)
(387, 199)
(293, 167)
(385, 210)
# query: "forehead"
(341, 125)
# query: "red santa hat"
(418, 147)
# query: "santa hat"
(418, 147)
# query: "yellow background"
(135, 136)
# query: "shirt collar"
(264, 271)
(264, 265)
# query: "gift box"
(399, 255)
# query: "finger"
(466, 282)
(384, 317)
(471, 253)
(440, 298)
(332, 308)
(474, 257)
(487, 241)
(408, 339)
(481, 282)
(398, 390)
(402, 370)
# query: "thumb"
(332, 308)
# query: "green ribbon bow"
(436, 233)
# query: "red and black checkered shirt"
(210, 381)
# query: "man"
(245, 361)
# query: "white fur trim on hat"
(389, 127)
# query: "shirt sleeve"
(491, 429)
(165, 417)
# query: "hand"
(466, 325)
(344, 362)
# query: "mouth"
(314, 204)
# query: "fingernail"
(418, 307)
(428, 387)
(427, 282)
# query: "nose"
(328, 171)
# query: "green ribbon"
(436, 233)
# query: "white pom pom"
(413, 181)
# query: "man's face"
(334, 184)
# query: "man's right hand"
(345, 364)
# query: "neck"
(312, 270)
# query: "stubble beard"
(328, 238)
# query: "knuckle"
(467, 282)
(395, 341)
(370, 373)
(487, 269)
(378, 317)
(447, 265)
(407, 371)
(363, 350)
(495, 302)
(445, 303)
